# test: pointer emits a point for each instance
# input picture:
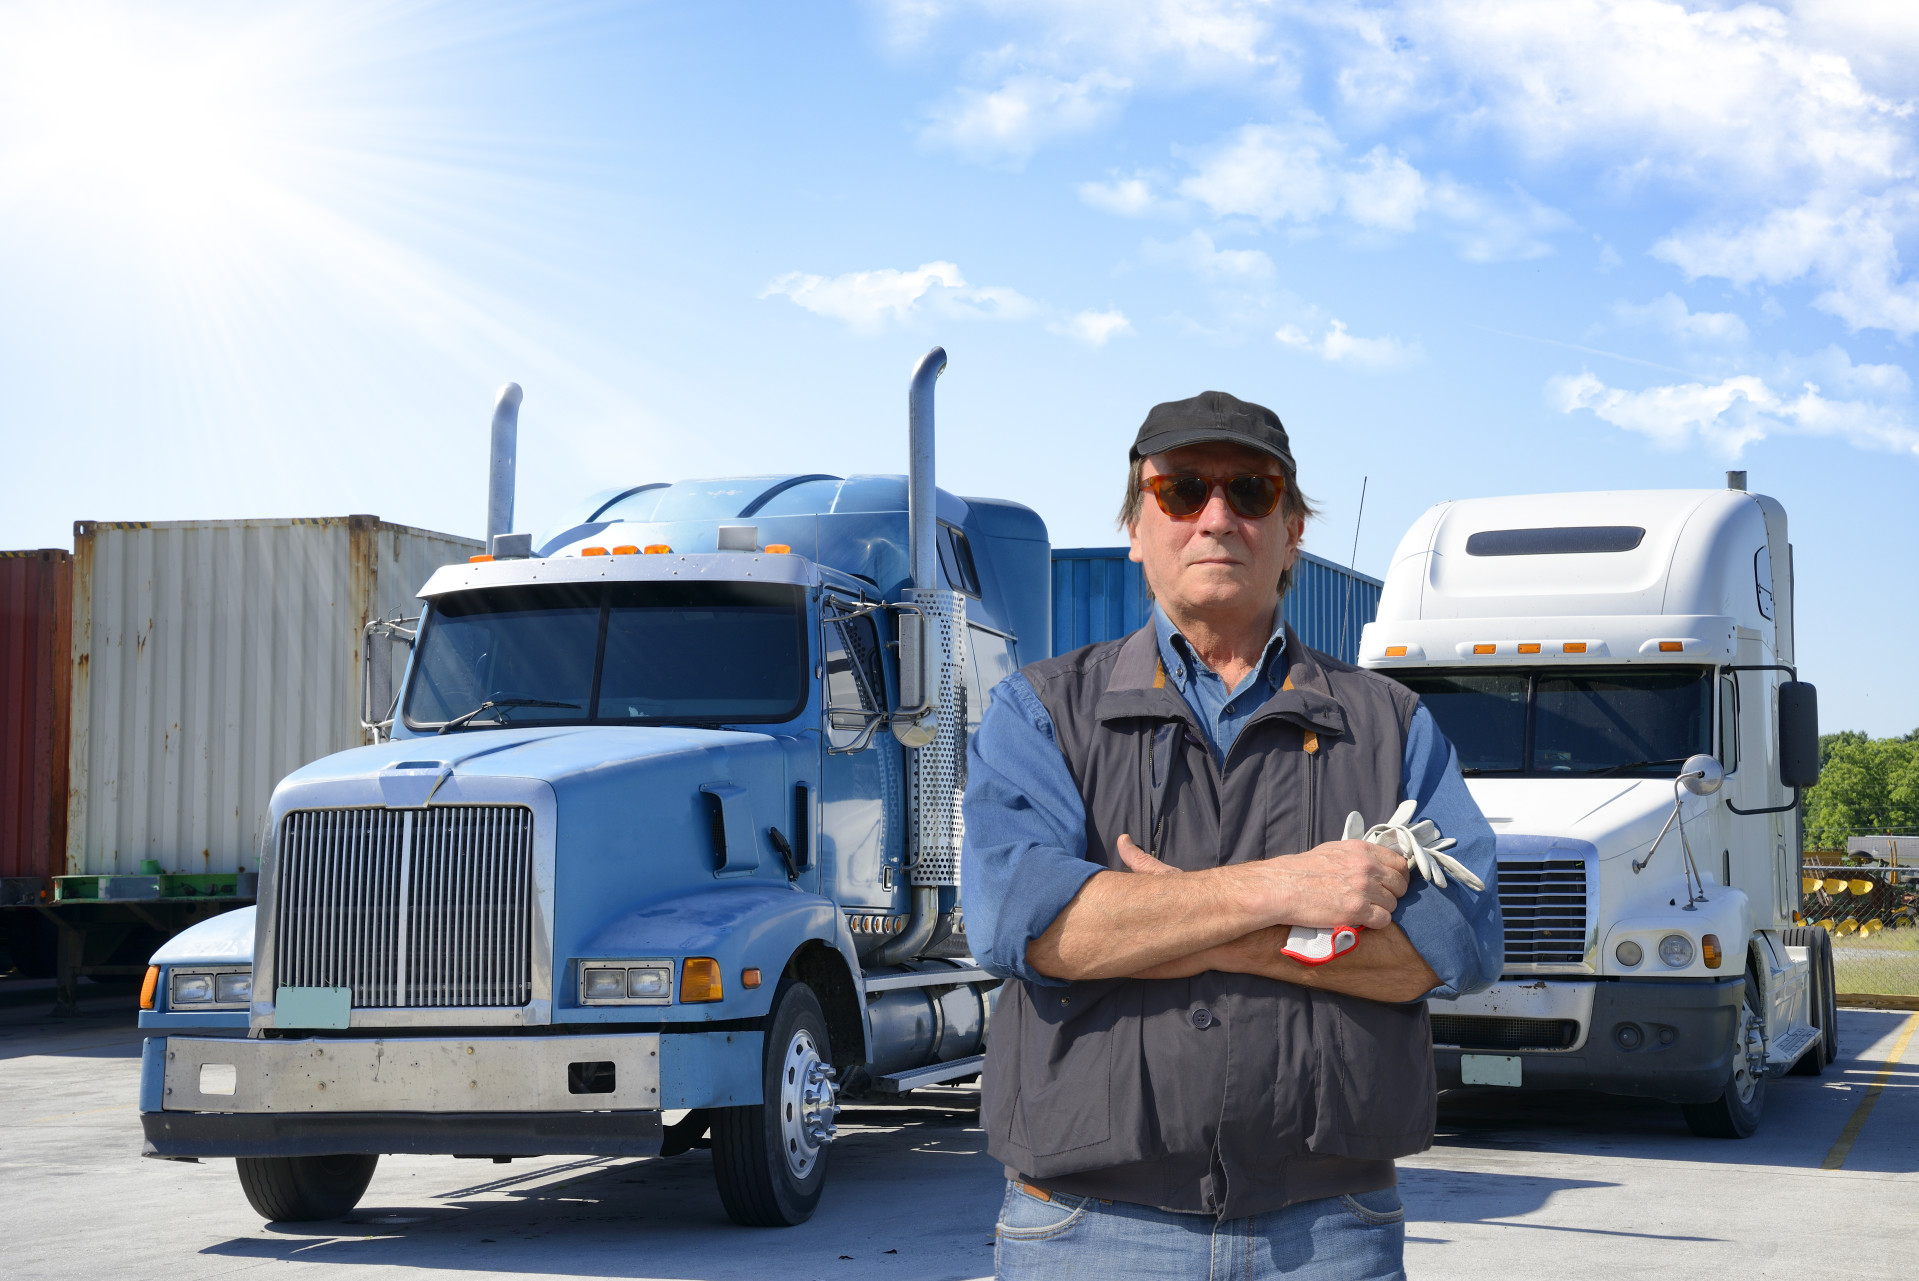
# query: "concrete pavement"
(1566, 1186)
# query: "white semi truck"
(1616, 671)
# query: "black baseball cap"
(1212, 416)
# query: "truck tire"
(300, 1189)
(1735, 1113)
(1822, 996)
(769, 1160)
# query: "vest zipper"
(1312, 790)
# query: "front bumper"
(521, 1095)
(1681, 1053)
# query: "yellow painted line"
(63, 1116)
(1837, 1157)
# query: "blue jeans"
(1343, 1238)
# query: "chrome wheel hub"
(1748, 1054)
(808, 1103)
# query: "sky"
(276, 259)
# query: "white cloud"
(1728, 415)
(1494, 229)
(868, 301)
(1270, 172)
(1132, 197)
(1384, 191)
(1094, 328)
(1341, 347)
(1006, 125)
(1669, 315)
(1196, 253)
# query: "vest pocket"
(1065, 1069)
(1378, 1096)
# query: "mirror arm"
(1793, 804)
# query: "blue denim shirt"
(1222, 712)
(1025, 849)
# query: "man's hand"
(1382, 966)
(1121, 925)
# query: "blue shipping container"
(1099, 595)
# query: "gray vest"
(1226, 1094)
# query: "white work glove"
(1423, 849)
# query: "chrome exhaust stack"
(502, 467)
(932, 657)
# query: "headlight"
(232, 989)
(1676, 951)
(192, 989)
(603, 985)
(626, 983)
(1629, 953)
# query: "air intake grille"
(408, 908)
(1544, 905)
(1483, 1032)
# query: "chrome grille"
(1543, 902)
(408, 908)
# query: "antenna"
(1346, 606)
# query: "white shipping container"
(210, 660)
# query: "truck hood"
(1617, 817)
(407, 771)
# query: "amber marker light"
(478, 560)
(700, 980)
(1671, 647)
(147, 987)
(1574, 647)
(592, 551)
(657, 549)
(1709, 947)
(1395, 651)
(626, 549)
(1529, 647)
(1485, 649)
(778, 549)
(750, 977)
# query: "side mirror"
(1798, 734)
(378, 687)
(913, 722)
(1702, 775)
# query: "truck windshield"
(1627, 721)
(625, 653)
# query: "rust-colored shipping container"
(36, 625)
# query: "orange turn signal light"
(1485, 649)
(700, 980)
(750, 977)
(1671, 647)
(477, 560)
(657, 549)
(1709, 948)
(779, 549)
(592, 551)
(1529, 647)
(152, 981)
(1575, 647)
(1395, 651)
(626, 549)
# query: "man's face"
(1218, 564)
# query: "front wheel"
(1735, 1113)
(770, 1159)
(300, 1189)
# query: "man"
(1145, 819)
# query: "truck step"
(1785, 1050)
(901, 1082)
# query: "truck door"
(861, 775)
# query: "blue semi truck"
(661, 850)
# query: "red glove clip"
(1311, 946)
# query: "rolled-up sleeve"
(1024, 856)
(1456, 929)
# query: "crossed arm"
(1158, 922)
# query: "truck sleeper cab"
(1616, 673)
(659, 849)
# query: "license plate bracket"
(1489, 1069)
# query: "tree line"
(1866, 786)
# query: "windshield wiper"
(1615, 769)
(491, 703)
